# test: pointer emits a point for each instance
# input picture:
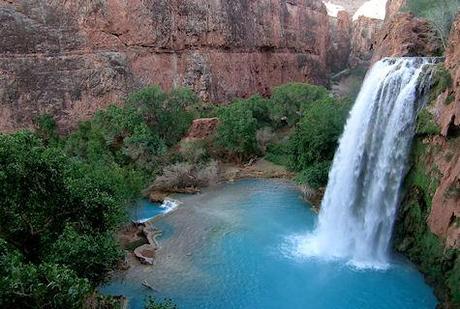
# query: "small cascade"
(169, 205)
(363, 193)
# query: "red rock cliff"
(445, 212)
(70, 58)
(405, 35)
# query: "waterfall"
(362, 196)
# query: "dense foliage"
(237, 131)
(314, 117)
(62, 198)
(313, 144)
(44, 193)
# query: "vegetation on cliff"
(440, 13)
(413, 236)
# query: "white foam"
(359, 206)
(169, 205)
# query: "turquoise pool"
(231, 247)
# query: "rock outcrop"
(427, 230)
(406, 35)
(69, 58)
(340, 47)
(393, 7)
(451, 117)
(202, 128)
(364, 33)
(444, 219)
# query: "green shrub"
(46, 128)
(289, 102)
(278, 153)
(26, 285)
(42, 189)
(316, 135)
(169, 114)
(442, 80)
(426, 125)
(89, 256)
(43, 193)
(315, 176)
(236, 132)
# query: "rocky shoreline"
(140, 239)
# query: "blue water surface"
(144, 210)
(230, 248)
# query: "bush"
(288, 102)
(426, 125)
(279, 153)
(316, 136)
(236, 132)
(182, 176)
(167, 113)
(90, 256)
(25, 285)
(46, 128)
(42, 193)
(315, 176)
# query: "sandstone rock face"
(406, 35)
(364, 33)
(394, 7)
(452, 115)
(69, 58)
(340, 47)
(202, 128)
(445, 211)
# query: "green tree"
(46, 128)
(89, 256)
(41, 190)
(315, 139)
(25, 285)
(168, 114)
(289, 102)
(237, 131)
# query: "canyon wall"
(70, 58)
(428, 225)
(404, 35)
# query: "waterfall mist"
(360, 203)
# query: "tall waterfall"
(362, 196)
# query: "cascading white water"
(362, 195)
